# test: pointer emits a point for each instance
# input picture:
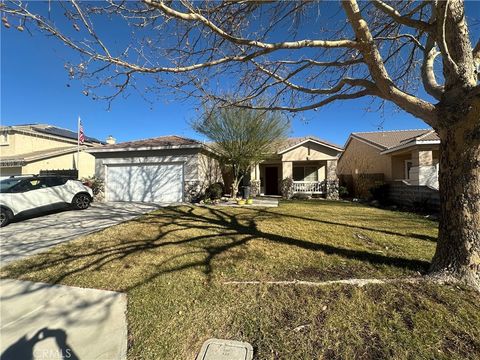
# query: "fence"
(69, 173)
(414, 195)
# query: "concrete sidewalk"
(42, 321)
(257, 202)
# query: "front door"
(271, 180)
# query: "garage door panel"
(145, 182)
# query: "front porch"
(309, 177)
(416, 166)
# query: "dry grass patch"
(173, 263)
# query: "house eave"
(410, 144)
(306, 141)
(6, 162)
(145, 148)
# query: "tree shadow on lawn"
(328, 222)
(226, 231)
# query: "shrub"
(214, 191)
(343, 192)
(380, 193)
(286, 187)
(97, 185)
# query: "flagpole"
(78, 146)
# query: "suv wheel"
(81, 201)
(5, 216)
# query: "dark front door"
(271, 180)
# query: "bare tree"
(416, 55)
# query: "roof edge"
(32, 158)
(368, 142)
(331, 146)
(145, 148)
(410, 144)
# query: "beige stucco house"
(311, 162)
(408, 155)
(29, 149)
(164, 169)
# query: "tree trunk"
(458, 248)
(237, 179)
(235, 186)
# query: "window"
(305, 173)
(311, 173)
(55, 181)
(7, 184)
(298, 173)
(28, 185)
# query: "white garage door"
(145, 182)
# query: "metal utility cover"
(219, 349)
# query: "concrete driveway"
(30, 236)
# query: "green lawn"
(174, 263)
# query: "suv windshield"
(6, 184)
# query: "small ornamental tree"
(242, 137)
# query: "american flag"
(81, 135)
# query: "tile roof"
(391, 139)
(290, 142)
(431, 136)
(162, 141)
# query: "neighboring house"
(163, 169)
(407, 155)
(309, 161)
(29, 149)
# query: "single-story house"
(163, 169)
(310, 161)
(29, 149)
(408, 155)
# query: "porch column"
(423, 171)
(422, 157)
(331, 180)
(331, 170)
(287, 169)
(255, 172)
(255, 180)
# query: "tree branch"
(332, 90)
(343, 43)
(399, 36)
(442, 40)
(293, 109)
(399, 18)
(428, 74)
(373, 59)
(322, 63)
(90, 28)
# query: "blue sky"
(34, 90)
